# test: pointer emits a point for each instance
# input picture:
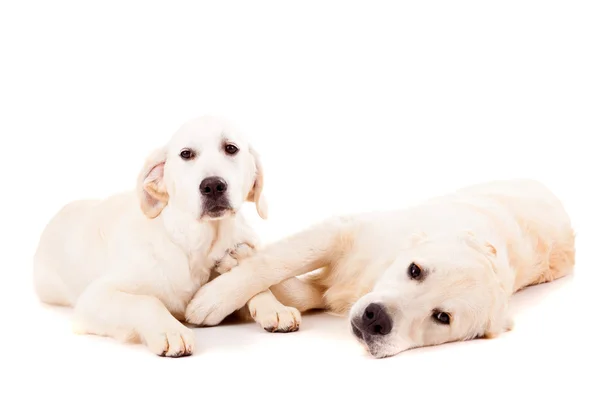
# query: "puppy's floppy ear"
(151, 188)
(256, 194)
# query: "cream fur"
(130, 263)
(478, 245)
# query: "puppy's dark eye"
(414, 271)
(441, 317)
(231, 149)
(187, 154)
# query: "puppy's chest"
(201, 251)
(199, 269)
(184, 281)
(198, 246)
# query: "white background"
(354, 107)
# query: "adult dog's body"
(438, 272)
(130, 263)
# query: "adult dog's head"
(207, 170)
(439, 289)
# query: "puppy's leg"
(278, 309)
(295, 255)
(271, 315)
(48, 285)
(106, 311)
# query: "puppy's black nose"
(213, 187)
(375, 321)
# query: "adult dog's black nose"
(213, 187)
(375, 321)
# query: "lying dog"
(129, 264)
(439, 272)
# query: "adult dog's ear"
(256, 194)
(417, 238)
(500, 278)
(151, 188)
(499, 320)
(485, 247)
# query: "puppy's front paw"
(242, 251)
(178, 341)
(233, 257)
(225, 264)
(276, 319)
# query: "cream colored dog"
(439, 272)
(130, 263)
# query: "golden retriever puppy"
(130, 263)
(439, 272)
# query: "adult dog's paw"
(222, 296)
(209, 307)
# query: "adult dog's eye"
(414, 271)
(187, 154)
(441, 317)
(231, 149)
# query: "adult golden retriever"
(438, 272)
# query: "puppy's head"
(207, 170)
(438, 290)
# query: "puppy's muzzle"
(374, 322)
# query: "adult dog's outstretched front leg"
(300, 253)
(104, 310)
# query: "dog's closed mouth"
(356, 331)
(366, 342)
(216, 211)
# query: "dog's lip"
(356, 331)
(367, 344)
(217, 209)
